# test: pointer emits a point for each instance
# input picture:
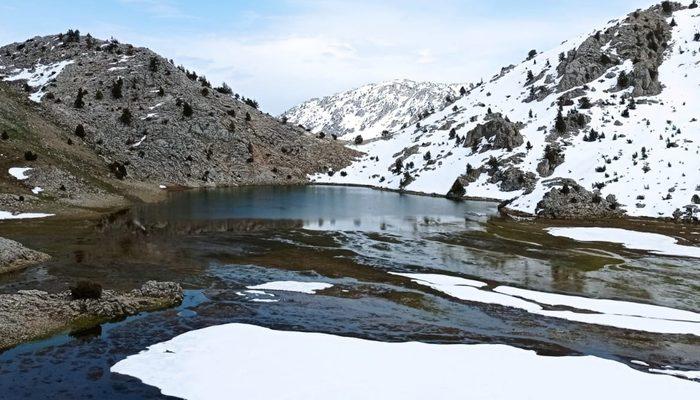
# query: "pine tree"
(187, 110)
(79, 103)
(560, 124)
(126, 117)
(117, 88)
(80, 131)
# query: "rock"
(513, 179)
(31, 314)
(568, 200)
(14, 256)
(498, 132)
(457, 191)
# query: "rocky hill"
(372, 109)
(604, 125)
(95, 118)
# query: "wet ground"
(215, 243)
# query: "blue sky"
(284, 52)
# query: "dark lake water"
(217, 242)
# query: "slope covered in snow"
(371, 109)
(603, 124)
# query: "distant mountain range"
(604, 125)
(372, 109)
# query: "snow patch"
(293, 286)
(653, 242)
(20, 173)
(260, 363)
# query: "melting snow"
(653, 242)
(39, 77)
(619, 314)
(293, 286)
(9, 215)
(19, 173)
(260, 363)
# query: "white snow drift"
(653, 242)
(619, 314)
(251, 362)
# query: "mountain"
(604, 125)
(372, 109)
(90, 116)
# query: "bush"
(79, 103)
(126, 117)
(531, 54)
(80, 131)
(86, 290)
(358, 139)
(693, 5)
(118, 169)
(99, 95)
(584, 103)
(153, 64)
(248, 117)
(559, 123)
(5, 135)
(667, 7)
(251, 103)
(187, 110)
(623, 80)
(117, 88)
(30, 155)
(224, 89)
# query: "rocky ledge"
(33, 314)
(15, 257)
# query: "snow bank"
(614, 313)
(19, 173)
(653, 242)
(39, 76)
(9, 215)
(259, 363)
(293, 286)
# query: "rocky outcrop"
(15, 257)
(151, 121)
(568, 200)
(553, 157)
(32, 314)
(513, 178)
(498, 133)
(642, 38)
(457, 191)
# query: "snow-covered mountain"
(604, 124)
(371, 109)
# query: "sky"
(287, 51)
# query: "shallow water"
(218, 242)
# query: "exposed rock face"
(14, 256)
(150, 121)
(553, 157)
(513, 179)
(499, 133)
(457, 191)
(31, 314)
(571, 201)
(642, 37)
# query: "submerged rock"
(14, 256)
(31, 314)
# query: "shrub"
(693, 5)
(251, 103)
(30, 155)
(531, 54)
(118, 169)
(673, 23)
(248, 117)
(86, 290)
(126, 117)
(5, 135)
(358, 139)
(224, 89)
(530, 76)
(153, 64)
(99, 95)
(205, 92)
(79, 103)
(559, 123)
(667, 7)
(187, 110)
(462, 91)
(161, 92)
(623, 80)
(80, 131)
(117, 88)
(584, 103)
